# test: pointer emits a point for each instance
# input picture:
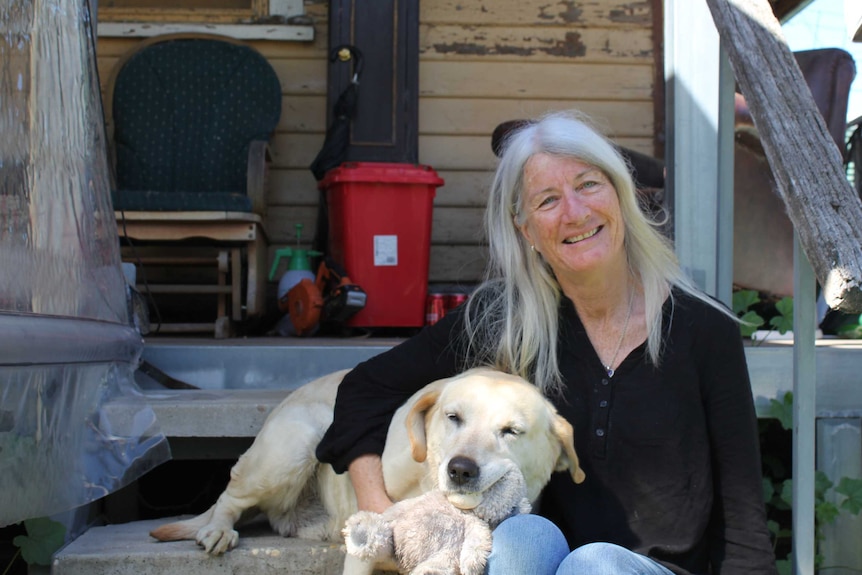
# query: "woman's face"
(572, 215)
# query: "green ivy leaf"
(782, 410)
(852, 489)
(44, 537)
(784, 566)
(773, 527)
(822, 484)
(825, 512)
(744, 299)
(751, 322)
(784, 306)
(768, 490)
(781, 323)
(786, 494)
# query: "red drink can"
(435, 308)
(454, 300)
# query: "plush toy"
(434, 532)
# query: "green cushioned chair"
(191, 118)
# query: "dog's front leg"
(355, 566)
(219, 535)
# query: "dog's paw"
(473, 563)
(216, 540)
(423, 569)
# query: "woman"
(585, 298)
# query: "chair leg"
(236, 283)
(222, 322)
(223, 328)
(256, 293)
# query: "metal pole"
(804, 410)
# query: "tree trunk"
(808, 169)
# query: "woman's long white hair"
(512, 318)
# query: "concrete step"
(127, 549)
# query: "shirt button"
(603, 403)
(605, 382)
(600, 432)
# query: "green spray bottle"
(298, 268)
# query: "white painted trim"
(692, 74)
(282, 32)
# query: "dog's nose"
(463, 470)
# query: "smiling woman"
(585, 298)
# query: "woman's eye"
(546, 201)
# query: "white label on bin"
(385, 250)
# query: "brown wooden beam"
(808, 168)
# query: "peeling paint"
(572, 13)
(462, 48)
(513, 50)
(635, 13)
(543, 13)
(571, 47)
(607, 47)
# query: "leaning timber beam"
(808, 168)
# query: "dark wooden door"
(385, 125)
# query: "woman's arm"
(371, 392)
(366, 475)
(740, 542)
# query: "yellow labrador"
(456, 434)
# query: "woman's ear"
(525, 232)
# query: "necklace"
(609, 367)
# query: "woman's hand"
(366, 474)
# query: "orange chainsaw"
(331, 297)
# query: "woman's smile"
(582, 237)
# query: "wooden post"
(808, 169)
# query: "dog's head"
(472, 428)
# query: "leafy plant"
(751, 320)
(44, 537)
(778, 494)
(744, 305)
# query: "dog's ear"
(568, 460)
(416, 425)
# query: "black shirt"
(671, 453)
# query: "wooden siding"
(481, 63)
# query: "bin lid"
(381, 172)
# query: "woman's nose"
(575, 207)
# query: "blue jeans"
(532, 545)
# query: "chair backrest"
(185, 111)
(853, 154)
(829, 72)
(766, 263)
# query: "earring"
(532, 247)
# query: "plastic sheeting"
(66, 347)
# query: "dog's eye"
(454, 418)
(509, 430)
